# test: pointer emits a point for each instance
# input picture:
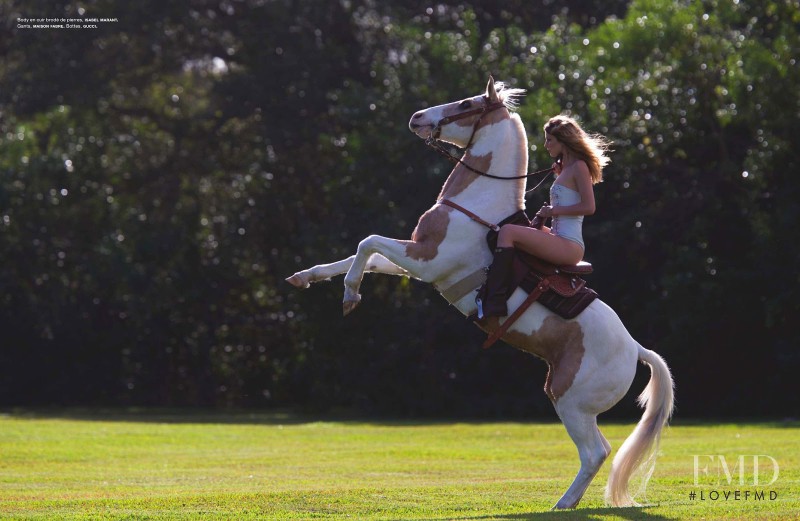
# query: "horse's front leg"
(410, 256)
(375, 264)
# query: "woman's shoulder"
(579, 165)
(575, 170)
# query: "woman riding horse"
(580, 159)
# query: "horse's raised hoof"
(349, 305)
(298, 281)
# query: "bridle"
(434, 142)
(482, 111)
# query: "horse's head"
(458, 121)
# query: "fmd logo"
(743, 470)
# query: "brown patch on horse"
(429, 234)
(495, 116)
(461, 177)
(558, 342)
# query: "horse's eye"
(465, 104)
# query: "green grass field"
(147, 465)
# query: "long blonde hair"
(592, 148)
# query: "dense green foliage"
(162, 175)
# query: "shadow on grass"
(580, 514)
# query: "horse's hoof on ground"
(563, 505)
(298, 281)
(349, 305)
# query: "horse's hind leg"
(376, 264)
(603, 439)
(593, 450)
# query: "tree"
(162, 175)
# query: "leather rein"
(433, 142)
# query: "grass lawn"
(150, 465)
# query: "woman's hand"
(557, 167)
(545, 211)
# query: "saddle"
(558, 288)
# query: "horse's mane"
(510, 97)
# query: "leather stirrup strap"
(543, 286)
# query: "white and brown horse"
(592, 358)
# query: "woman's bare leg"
(546, 246)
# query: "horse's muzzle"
(423, 131)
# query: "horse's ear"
(491, 93)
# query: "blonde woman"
(580, 158)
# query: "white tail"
(639, 451)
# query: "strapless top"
(567, 226)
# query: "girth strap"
(465, 286)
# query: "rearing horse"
(591, 358)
